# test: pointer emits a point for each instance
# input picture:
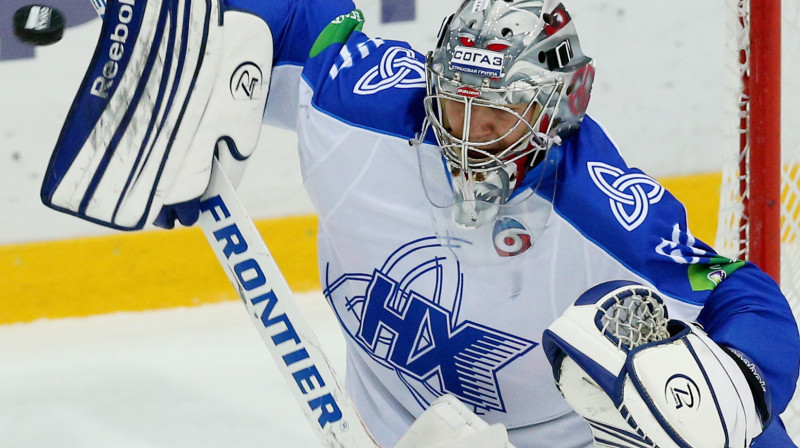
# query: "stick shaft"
(274, 311)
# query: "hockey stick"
(270, 303)
(295, 348)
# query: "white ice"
(187, 377)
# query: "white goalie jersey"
(428, 307)
(422, 321)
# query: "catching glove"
(640, 379)
(171, 82)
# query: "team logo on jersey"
(398, 68)
(405, 316)
(351, 53)
(706, 269)
(630, 194)
(681, 247)
(510, 237)
(707, 276)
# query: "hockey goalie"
(465, 201)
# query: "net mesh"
(733, 228)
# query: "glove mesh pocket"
(633, 316)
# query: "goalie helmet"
(517, 64)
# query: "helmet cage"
(521, 57)
(473, 157)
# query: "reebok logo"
(119, 37)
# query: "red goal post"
(762, 90)
(759, 215)
(750, 208)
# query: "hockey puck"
(39, 24)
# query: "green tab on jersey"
(338, 31)
(706, 277)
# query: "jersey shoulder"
(631, 216)
(599, 189)
(370, 83)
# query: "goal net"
(762, 168)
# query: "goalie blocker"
(641, 380)
(170, 83)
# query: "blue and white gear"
(522, 59)
(448, 423)
(640, 379)
(420, 323)
(170, 84)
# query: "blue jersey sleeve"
(640, 224)
(370, 83)
(295, 24)
(355, 79)
(633, 218)
(748, 312)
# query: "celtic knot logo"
(630, 195)
(398, 68)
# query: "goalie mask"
(506, 81)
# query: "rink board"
(163, 269)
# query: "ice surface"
(187, 377)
